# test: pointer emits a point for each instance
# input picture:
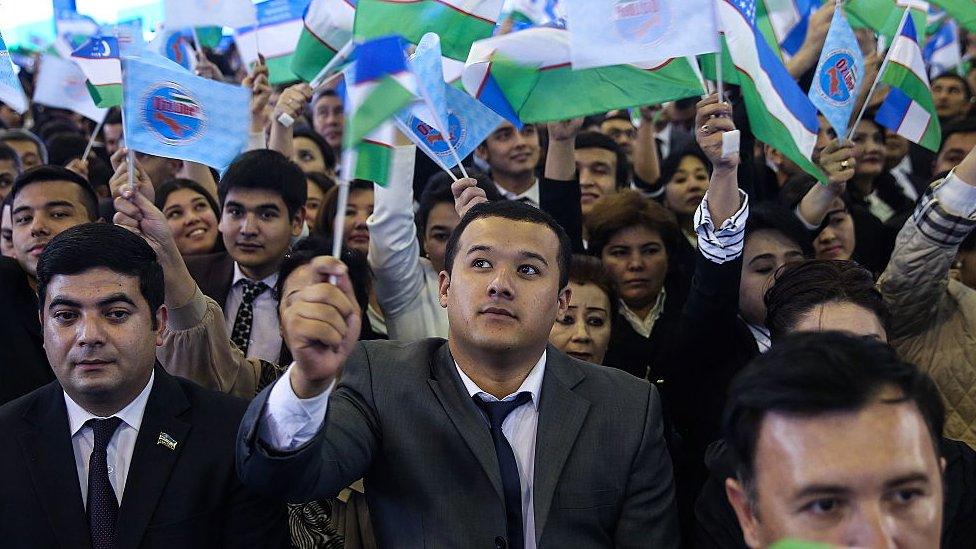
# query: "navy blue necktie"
(511, 487)
(103, 505)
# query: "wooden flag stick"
(91, 140)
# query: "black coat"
(188, 496)
(23, 363)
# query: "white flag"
(61, 84)
(616, 32)
(182, 14)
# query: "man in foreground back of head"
(835, 439)
(489, 439)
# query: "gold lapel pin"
(166, 440)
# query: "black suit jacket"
(401, 418)
(185, 497)
(23, 364)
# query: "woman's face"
(638, 262)
(836, 240)
(358, 209)
(313, 204)
(308, 156)
(686, 188)
(584, 331)
(869, 149)
(440, 224)
(192, 221)
(764, 252)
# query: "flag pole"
(346, 170)
(874, 85)
(440, 164)
(196, 40)
(91, 140)
(321, 80)
(446, 134)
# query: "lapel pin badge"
(166, 440)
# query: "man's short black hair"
(804, 285)
(313, 246)
(817, 373)
(267, 170)
(328, 155)
(63, 147)
(92, 245)
(767, 216)
(438, 191)
(41, 174)
(954, 76)
(7, 153)
(965, 125)
(512, 210)
(597, 140)
(114, 116)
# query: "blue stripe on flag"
(908, 31)
(892, 112)
(380, 57)
(492, 96)
(785, 86)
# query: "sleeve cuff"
(190, 315)
(938, 220)
(724, 243)
(289, 421)
(809, 226)
(957, 196)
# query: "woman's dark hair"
(175, 184)
(438, 191)
(805, 285)
(328, 155)
(671, 164)
(327, 213)
(597, 140)
(625, 209)
(586, 269)
(92, 245)
(266, 170)
(322, 181)
(819, 373)
(767, 216)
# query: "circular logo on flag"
(642, 21)
(838, 82)
(433, 138)
(172, 114)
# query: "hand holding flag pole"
(325, 77)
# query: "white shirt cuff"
(799, 216)
(724, 243)
(957, 196)
(288, 421)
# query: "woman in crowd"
(312, 153)
(584, 331)
(192, 214)
(685, 175)
(872, 186)
(319, 185)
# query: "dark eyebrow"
(268, 206)
(532, 255)
(441, 227)
(478, 248)
(906, 479)
(58, 300)
(760, 256)
(820, 490)
(116, 298)
(51, 204)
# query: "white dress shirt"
(120, 446)
(530, 195)
(265, 340)
(288, 422)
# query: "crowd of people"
(611, 334)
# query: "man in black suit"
(45, 201)
(491, 438)
(116, 452)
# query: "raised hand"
(467, 194)
(712, 120)
(257, 83)
(79, 166)
(121, 177)
(564, 129)
(320, 323)
(293, 101)
(837, 161)
(134, 210)
(206, 68)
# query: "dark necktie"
(103, 505)
(497, 412)
(241, 334)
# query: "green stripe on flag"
(379, 105)
(109, 95)
(373, 162)
(280, 70)
(375, 18)
(311, 54)
(883, 16)
(963, 11)
(901, 77)
(209, 37)
(765, 27)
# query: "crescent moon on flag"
(108, 49)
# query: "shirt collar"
(643, 326)
(131, 415)
(532, 193)
(532, 383)
(270, 281)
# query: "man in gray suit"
(489, 439)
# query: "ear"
(161, 315)
(298, 222)
(739, 500)
(445, 288)
(562, 301)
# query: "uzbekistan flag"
(527, 76)
(783, 23)
(963, 11)
(883, 16)
(327, 28)
(780, 114)
(279, 28)
(99, 60)
(378, 85)
(458, 22)
(908, 110)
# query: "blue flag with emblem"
(839, 73)
(171, 113)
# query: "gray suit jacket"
(401, 418)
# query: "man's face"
(511, 152)
(100, 335)
(623, 132)
(113, 137)
(257, 230)
(440, 224)
(27, 150)
(954, 150)
(503, 292)
(949, 96)
(896, 148)
(40, 212)
(7, 234)
(328, 119)
(597, 175)
(8, 173)
(764, 252)
(877, 485)
(10, 118)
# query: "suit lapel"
(152, 462)
(561, 415)
(51, 463)
(453, 396)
